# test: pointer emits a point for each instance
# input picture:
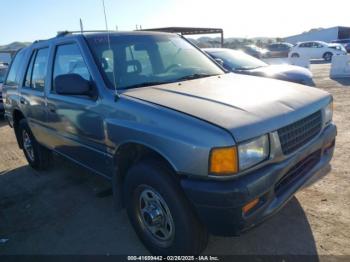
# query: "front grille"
(300, 169)
(299, 133)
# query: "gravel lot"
(65, 210)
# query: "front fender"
(183, 140)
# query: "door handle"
(52, 108)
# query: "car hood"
(246, 106)
(283, 72)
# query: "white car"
(317, 50)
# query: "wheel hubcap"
(155, 215)
(27, 145)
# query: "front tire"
(37, 156)
(328, 56)
(295, 55)
(162, 217)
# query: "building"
(326, 35)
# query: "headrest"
(133, 66)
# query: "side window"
(37, 70)
(28, 79)
(306, 45)
(13, 75)
(40, 69)
(68, 60)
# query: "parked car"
(278, 49)
(188, 148)
(3, 70)
(344, 42)
(255, 51)
(241, 63)
(317, 50)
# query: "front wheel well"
(327, 53)
(126, 156)
(130, 153)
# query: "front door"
(77, 125)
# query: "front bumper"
(219, 203)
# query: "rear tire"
(162, 217)
(295, 55)
(328, 56)
(37, 156)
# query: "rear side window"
(37, 70)
(307, 45)
(13, 75)
(68, 60)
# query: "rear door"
(76, 122)
(305, 49)
(32, 96)
(318, 50)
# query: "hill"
(14, 46)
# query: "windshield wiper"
(195, 76)
(144, 84)
(188, 77)
(246, 68)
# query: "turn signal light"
(250, 205)
(223, 161)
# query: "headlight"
(230, 160)
(253, 152)
(328, 113)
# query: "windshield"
(237, 60)
(144, 60)
(2, 74)
(337, 47)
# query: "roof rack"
(64, 33)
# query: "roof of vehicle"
(280, 43)
(102, 33)
(320, 42)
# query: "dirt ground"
(64, 211)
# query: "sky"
(29, 20)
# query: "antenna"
(81, 26)
(110, 49)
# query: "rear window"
(13, 75)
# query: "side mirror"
(72, 84)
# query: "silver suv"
(189, 149)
